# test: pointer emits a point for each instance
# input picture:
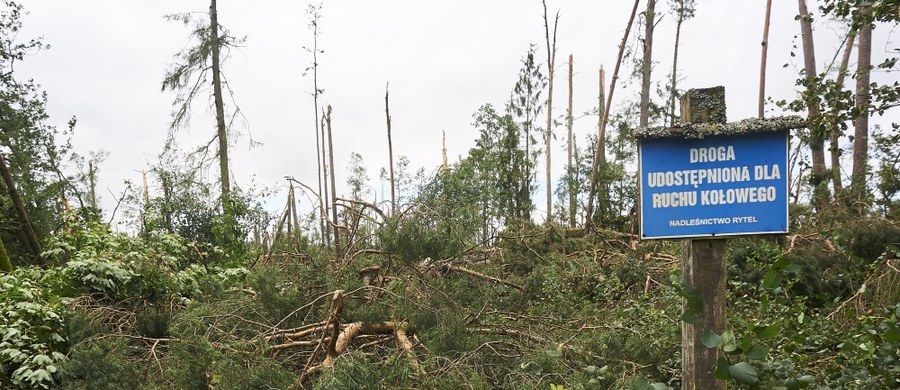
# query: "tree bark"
(674, 91)
(600, 149)
(816, 130)
(764, 56)
(861, 124)
(93, 183)
(836, 181)
(337, 233)
(647, 63)
(551, 64)
(325, 169)
(319, 146)
(572, 168)
(5, 264)
(31, 239)
(222, 132)
(387, 115)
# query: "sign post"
(704, 180)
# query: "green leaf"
(722, 369)
(767, 332)
(756, 352)
(729, 344)
(711, 339)
(743, 373)
(772, 279)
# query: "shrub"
(31, 331)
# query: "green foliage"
(31, 331)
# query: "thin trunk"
(816, 133)
(674, 91)
(647, 63)
(146, 190)
(146, 205)
(444, 150)
(320, 158)
(836, 129)
(31, 239)
(222, 133)
(287, 211)
(325, 170)
(93, 183)
(762, 61)
(293, 196)
(861, 124)
(571, 181)
(551, 64)
(599, 152)
(5, 265)
(387, 115)
(337, 237)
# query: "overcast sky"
(443, 59)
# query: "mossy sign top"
(711, 178)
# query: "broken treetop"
(708, 112)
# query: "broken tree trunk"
(31, 239)
(551, 64)
(334, 219)
(387, 115)
(605, 118)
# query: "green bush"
(31, 331)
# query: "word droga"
(712, 154)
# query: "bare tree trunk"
(325, 169)
(605, 117)
(320, 158)
(92, 181)
(571, 181)
(674, 91)
(294, 217)
(647, 62)
(5, 264)
(816, 132)
(861, 124)
(444, 150)
(31, 239)
(337, 233)
(762, 61)
(551, 64)
(836, 129)
(222, 132)
(387, 115)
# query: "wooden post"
(703, 266)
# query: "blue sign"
(720, 185)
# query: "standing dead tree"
(571, 185)
(647, 62)
(551, 64)
(605, 118)
(387, 115)
(315, 14)
(762, 61)
(334, 215)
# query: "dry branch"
(479, 275)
